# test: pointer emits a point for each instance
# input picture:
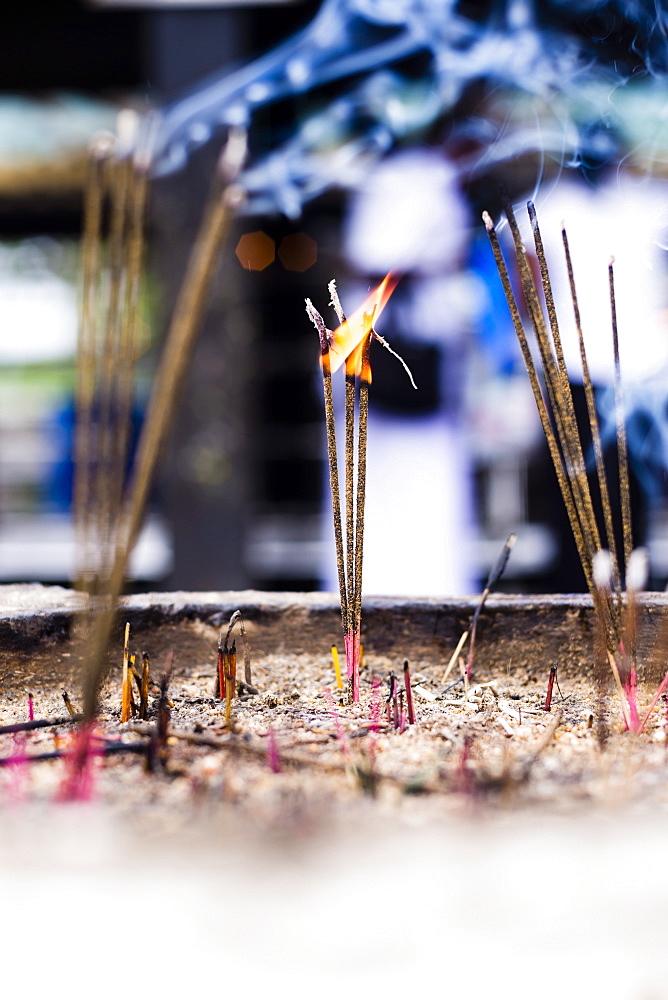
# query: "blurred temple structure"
(378, 132)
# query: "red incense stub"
(410, 708)
(550, 686)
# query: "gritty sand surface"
(490, 849)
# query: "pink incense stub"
(273, 758)
(78, 782)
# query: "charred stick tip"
(489, 224)
(324, 334)
(335, 301)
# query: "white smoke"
(581, 48)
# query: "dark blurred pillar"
(183, 46)
(204, 480)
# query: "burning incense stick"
(349, 345)
(616, 624)
(354, 507)
(107, 347)
(364, 383)
(332, 456)
(565, 413)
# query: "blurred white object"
(41, 315)
(625, 217)
(410, 217)
(43, 547)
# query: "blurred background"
(379, 130)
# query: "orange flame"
(348, 339)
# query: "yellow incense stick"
(337, 667)
(125, 690)
(454, 657)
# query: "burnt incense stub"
(290, 744)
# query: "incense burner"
(516, 633)
(535, 727)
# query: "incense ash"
(289, 752)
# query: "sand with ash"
(296, 755)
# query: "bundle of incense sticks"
(348, 347)
(107, 515)
(108, 340)
(557, 415)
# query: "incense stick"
(101, 149)
(332, 456)
(622, 451)
(548, 431)
(637, 571)
(557, 387)
(362, 431)
(126, 679)
(180, 341)
(594, 427)
(357, 381)
(455, 656)
(350, 343)
(134, 246)
(563, 439)
(493, 578)
(571, 443)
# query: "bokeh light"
(256, 251)
(298, 252)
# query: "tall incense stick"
(364, 384)
(559, 423)
(622, 451)
(100, 151)
(349, 581)
(332, 457)
(357, 381)
(357, 372)
(226, 198)
(556, 383)
(594, 427)
(562, 390)
(550, 436)
(493, 578)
